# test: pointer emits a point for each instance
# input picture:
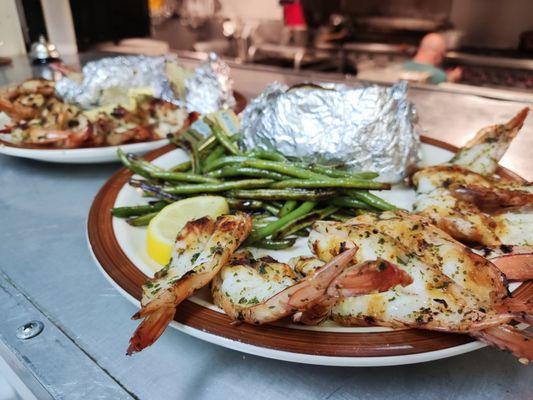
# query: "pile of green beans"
(283, 196)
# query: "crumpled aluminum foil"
(366, 128)
(209, 89)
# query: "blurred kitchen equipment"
(161, 10)
(239, 34)
(526, 42)
(43, 51)
(4, 60)
(195, 13)
(144, 46)
(399, 23)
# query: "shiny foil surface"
(367, 128)
(211, 87)
(208, 89)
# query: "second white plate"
(90, 155)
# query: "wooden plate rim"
(123, 272)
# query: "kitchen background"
(491, 40)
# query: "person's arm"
(454, 75)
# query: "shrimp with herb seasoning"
(202, 248)
(264, 290)
(468, 200)
(453, 289)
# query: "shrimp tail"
(299, 297)
(316, 285)
(502, 134)
(373, 276)
(506, 337)
(519, 309)
(491, 198)
(150, 329)
(316, 312)
(515, 267)
(156, 315)
(482, 153)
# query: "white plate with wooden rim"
(120, 251)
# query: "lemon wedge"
(164, 228)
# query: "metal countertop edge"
(26, 356)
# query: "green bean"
(210, 141)
(364, 174)
(182, 167)
(143, 220)
(153, 190)
(183, 177)
(217, 152)
(283, 168)
(304, 221)
(263, 217)
(274, 226)
(194, 135)
(195, 156)
(222, 138)
(287, 207)
(335, 173)
(330, 183)
(236, 170)
(275, 244)
(135, 168)
(339, 217)
(272, 209)
(350, 203)
(191, 136)
(372, 200)
(266, 155)
(259, 225)
(237, 204)
(187, 142)
(302, 233)
(207, 143)
(282, 194)
(223, 161)
(131, 211)
(218, 187)
(195, 161)
(146, 165)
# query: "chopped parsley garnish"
(218, 249)
(195, 257)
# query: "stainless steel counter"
(47, 274)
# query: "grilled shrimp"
(202, 248)
(485, 150)
(465, 199)
(39, 118)
(436, 247)
(453, 289)
(26, 100)
(264, 290)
